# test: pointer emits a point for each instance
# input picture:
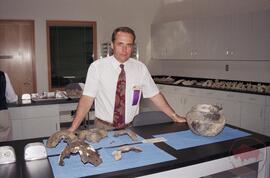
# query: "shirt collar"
(116, 63)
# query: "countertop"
(251, 87)
(185, 157)
(19, 103)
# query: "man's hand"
(177, 118)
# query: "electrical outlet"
(227, 67)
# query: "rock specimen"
(206, 120)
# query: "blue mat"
(187, 139)
(75, 168)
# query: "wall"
(238, 70)
(108, 14)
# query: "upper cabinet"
(232, 34)
(260, 39)
(174, 39)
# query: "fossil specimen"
(93, 135)
(118, 153)
(130, 133)
(87, 153)
(206, 120)
(57, 136)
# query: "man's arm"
(83, 108)
(160, 101)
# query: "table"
(191, 162)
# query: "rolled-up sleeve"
(149, 88)
(92, 82)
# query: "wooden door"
(17, 54)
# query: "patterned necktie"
(119, 106)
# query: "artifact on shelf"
(168, 79)
(206, 120)
(216, 84)
(74, 90)
(45, 96)
(189, 82)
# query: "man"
(102, 84)
(7, 95)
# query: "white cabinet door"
(172, 96)
(267, 117)
(174, 40)
(189, 101)
(252, 112)
(216, 39)
(41, 127)
(267, 121)
(230, 102)
(241, 41)
(17, 130)
(34, 121)
(231, 111)
(261, 36)
(174, 101)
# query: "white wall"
(109, 14)
(238, 70)
(138, 14)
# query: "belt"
(110, 124)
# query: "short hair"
(123, 29)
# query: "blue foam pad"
(186, 139)
(75, 168)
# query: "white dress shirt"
(101, 83)
(10, 93)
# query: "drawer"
(68, 107)
(33, 111)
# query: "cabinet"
(267, 117)
(231, 36)
(261, 36)
(174, 40)
(252, 112)
(172, 97)
(34, 121)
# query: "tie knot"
(122, 66)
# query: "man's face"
(122, 46)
